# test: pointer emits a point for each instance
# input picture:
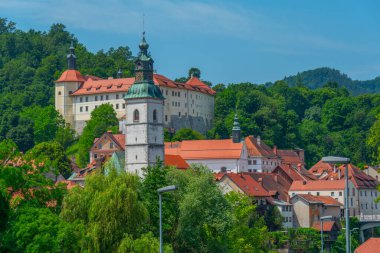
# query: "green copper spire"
(144, 86)
(236, 132)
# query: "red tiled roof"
(196, 82)
(120, 138)
(294, 174)
(319, 185)
(289, 156)
(247, 184)
(71, 75)
(205, 149)
(94, 85)
(328, 226)
(327, 200)
(321, 167)
(256, 148)
(372, 245)
(273, 183)
(177, 161)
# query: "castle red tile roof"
(205, 149)
(319, 185)
(97, 85)
(177, 161)
(326, 200)
(372, 245)
(196, 82)
(247, 184)
(71, 75)
(258, 148)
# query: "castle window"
(80, 99)
(123, 106)
(101, 98)
(179, 114)
(86, 99)
(86, 108)
(166, 117)
(154, 115)
(106, 97)
(81, 109)
(117, 106)
(173, 93)
(59, 93)
(136, 116)
(96, 98)
(179, 94)
(117, 96)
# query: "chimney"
(299, 167)
(304, 182)
(334, 168)
(275, 149)
(260, 180)
(339, 173)
(258, 140)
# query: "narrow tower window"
(154, 115)
(136, 116)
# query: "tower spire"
(71, 57)
(144, 63)
(236, 131)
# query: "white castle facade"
(189, 104)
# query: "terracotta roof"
(319, 185)
(120, 138)
(177, 161)
(294, 174)
(273, 183)
(258, 148)
(196, 82)
(205, 149)
(289, 156)
(247, 184)
(326, 200)
(321, 167)
(372, 245)
(71, 75)
(328, 226)
(95, 85)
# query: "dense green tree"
(187, 134)
(304, 240)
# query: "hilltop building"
(189, 104)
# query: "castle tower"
(236, 132)
(144, 116)
(69, 82)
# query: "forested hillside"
(316, 78)
(324, 121)
(29, 63)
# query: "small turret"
(71, 58)
(236, 132)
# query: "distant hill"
(316, 78)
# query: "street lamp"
(352, 230)
(345, 161)
(323, 218)
(160, 191)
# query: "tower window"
(166, 117)
(136, 116)
(59, 93)
(154, 115)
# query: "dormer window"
(136, 116)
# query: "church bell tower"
(144, 115)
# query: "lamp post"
(323, 218)
(345, 161)
(160, 191)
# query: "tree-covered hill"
(316, 78)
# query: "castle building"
(189, 104)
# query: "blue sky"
(230, 41)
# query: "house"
(308, 209)
(372, 245)
(291, 157)
(294, 173)
(365, 185)
(106, 145)
(373, 171)
(217, 155)
(331, 188)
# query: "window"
(365, 193)
(86, 99)
(154, 115)
(166, 92)
(353, 191)
(96, 98)
(117, 106)
(352, 202)
(101, 98)
(123, 106)
(179, 114)
(136, 116)
(290, 219)
(81, 109)
(332, 193)
(111, 144)
(59, 93)
(254, 162)
(173, 93)
(107, 97)
(100, 146)
(166, 117)
(86, 108)
(249, 162)
(80, 99)
(340, 193)
(317, 193)
(117, 96)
